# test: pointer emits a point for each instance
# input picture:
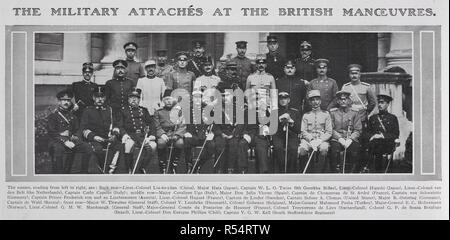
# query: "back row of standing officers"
(116, 129)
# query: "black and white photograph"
(104, 102)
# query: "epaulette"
(295, 109)
(364, 83)
(333, 109)
(346, 84)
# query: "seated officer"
(201, 134)
(382, 131)
(139, 133)
(233, 156)
(170, 130)
(316, 132)
(289, 122)
(346, 131)
(100, 128)
(62, 127)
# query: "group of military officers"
(122, 126)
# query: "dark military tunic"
(181, 79)
(63, 126)
(195, 65)
(383, 123)
(116, 91)
(275, 64)
(328, 88)
(169, 124)
(296, 88)
(134, 122)
(82, 91)
(134, 71)
(245, 67)
(305, 69)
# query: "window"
(49, 46)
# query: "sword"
(309, 160)
(201, 150)
(286, 148)
(345, 149)
(139, 155)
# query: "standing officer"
(195, 65)
(117, 89)
(82, 90)
(346, 132)
(134, 69)
(69, 153)
(170, 130)
(245, 67)
(164, 67)
(327, 86)
(100, 127)
(316, 132)
(230, 78)
(305, 64)
(181, 77)
(382, 131)
(153, 88)
(289, 118)
(362, 97)
(275, 62)
(208, 80)
(261, 82)
(139, 129)
(294, 86)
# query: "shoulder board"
(294, 109)
(333, 109)
(346, 84)
(364, 83)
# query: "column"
(384, 41)
(253, 45)
(114, 46)
(400, 53)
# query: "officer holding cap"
(383, 130)
(153, 88)
(289, 123)
(69, 153)
(275, 61)
(82, 90)
(327, 86)
(305, 63)
(315, 134)
(117, 89)
(134, 69)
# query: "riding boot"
(162, 158)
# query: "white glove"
(187, 135)
(116, 130)
(151, 138)
(165, 138)
(69, 144)
(315, 144)
(75, 107)
(125, 138)
(348, 142)
(98, 139)
(65, 133)
(342, 141)
(247, 138)
(209, 136)
(265, 131)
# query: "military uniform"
(195, 65)
(138, 124)
(63, 129)
(275, 64)
(316, 126)
(260, 143)
(181, 79)
(386, 124)
(279, 141)
(245, 67)
(362, 97)
(171, 124)
(116, 91)
(306, 68)
(346, 122)
(230, 80)
(206, 82)
(328, 88)
(296, 88)
(100, 121)
(134, 69)
(82, 91)
(164, 71)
